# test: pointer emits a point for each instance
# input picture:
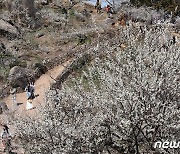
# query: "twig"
(53, 78)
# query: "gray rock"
(39, 69)
(18, 76)
(5, 26)
(3, 107)
(40, 34)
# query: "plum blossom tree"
(122, 102)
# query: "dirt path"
(41, 86)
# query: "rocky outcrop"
(75, 65)
(18, 77)
(39, 69)
(3, 107)
(7, 27)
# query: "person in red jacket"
(108, 10)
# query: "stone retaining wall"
(78, 63)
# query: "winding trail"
(41, 86)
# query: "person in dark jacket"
(98, 6)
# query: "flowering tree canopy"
(122, 102)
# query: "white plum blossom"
(123, 101)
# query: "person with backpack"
(108, 10)
(32, 90)
(28, 90)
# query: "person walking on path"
(31, 96)
(28, 90)
(108, 10)
(98, 6)
(32, 90)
